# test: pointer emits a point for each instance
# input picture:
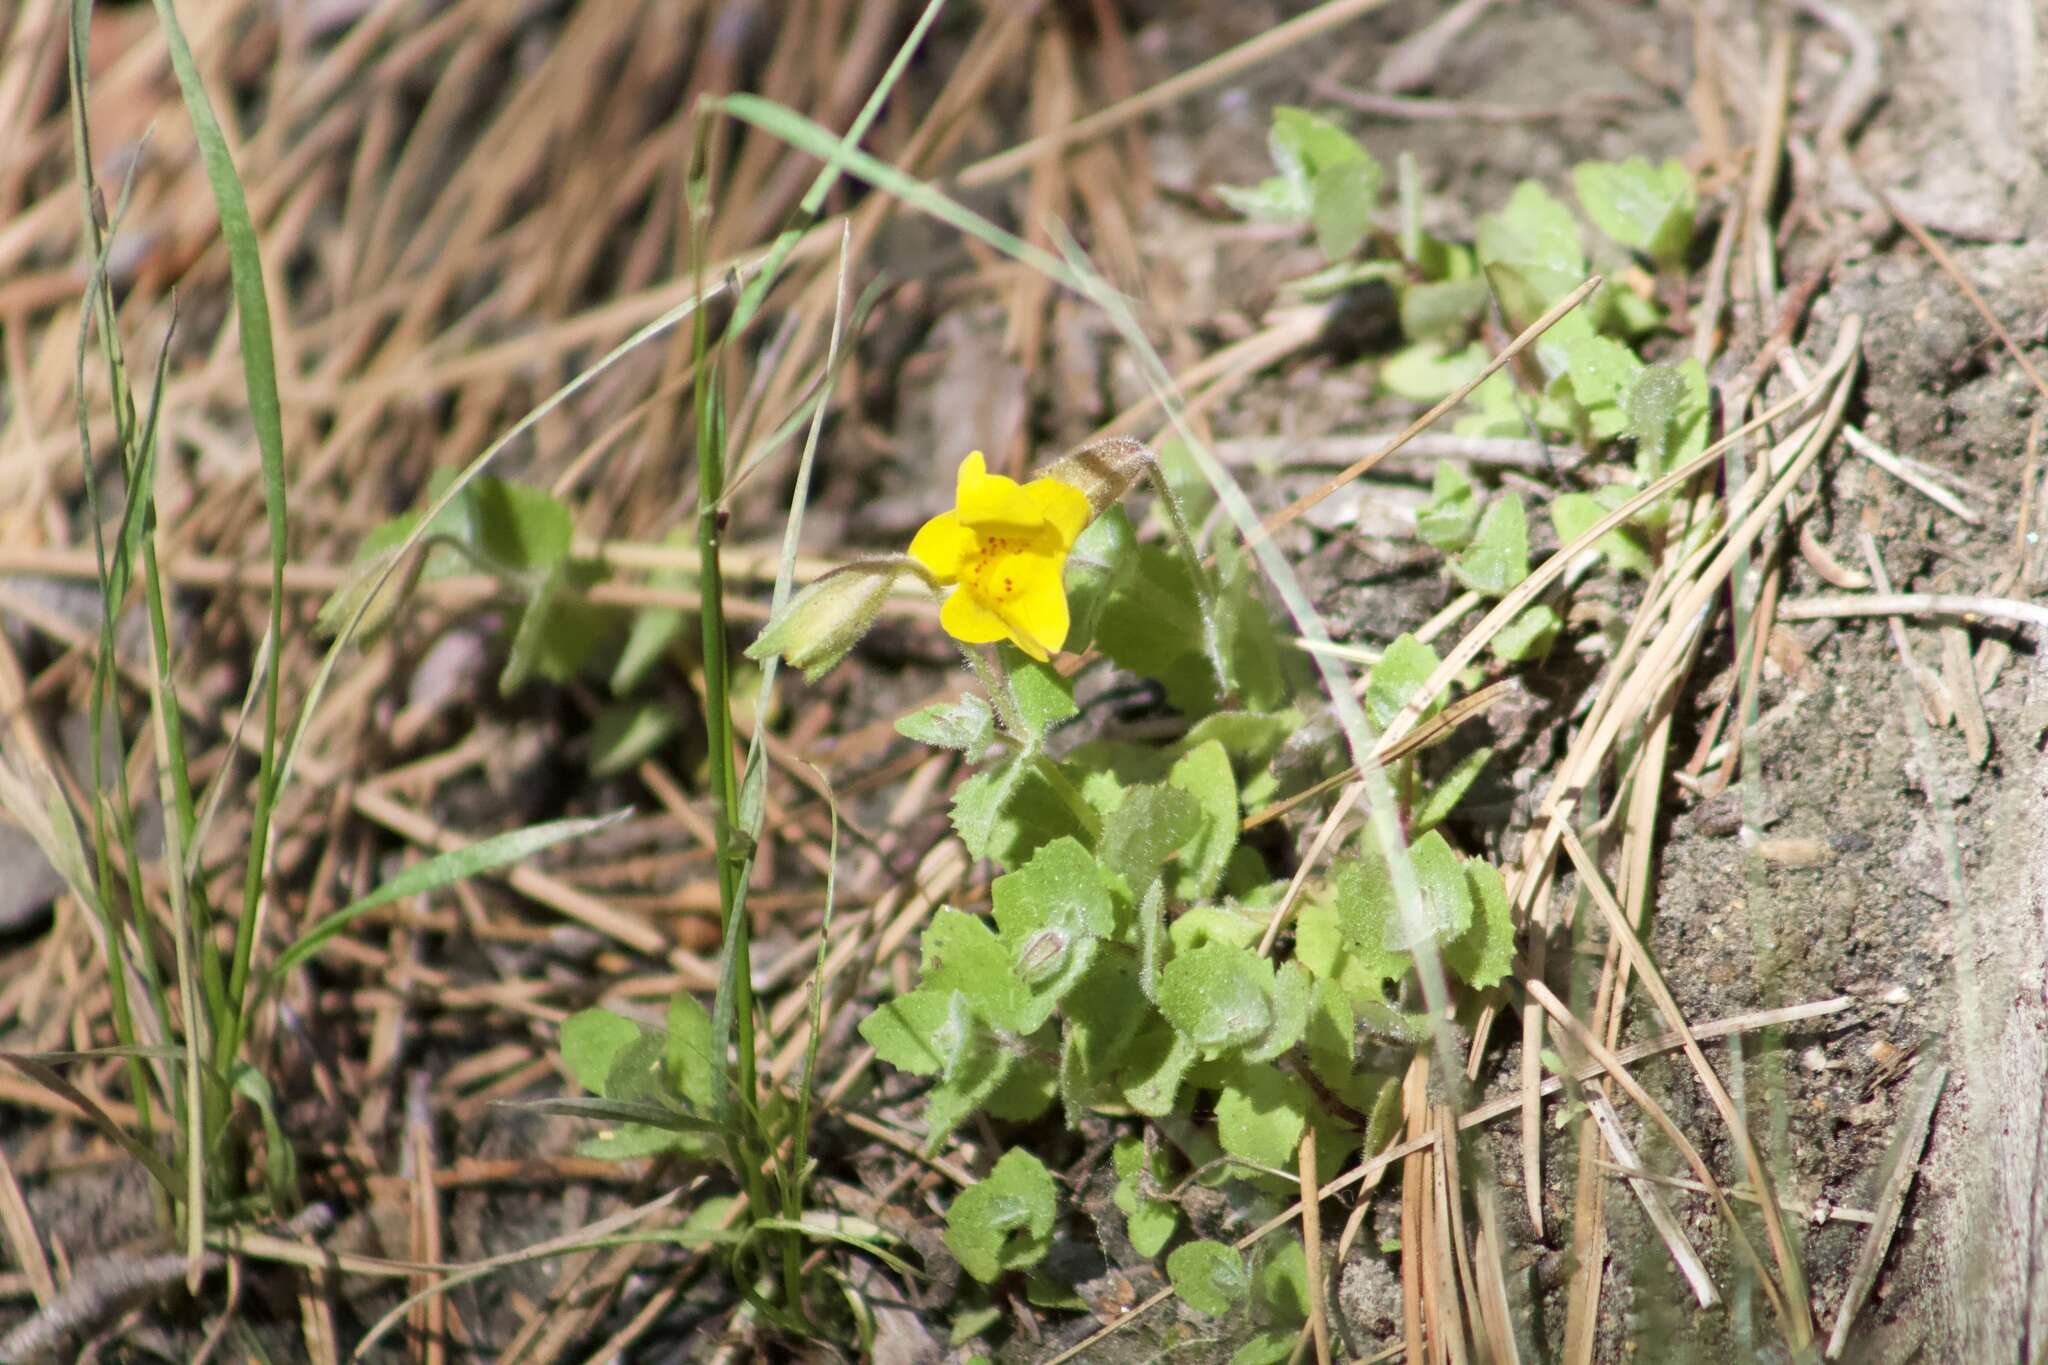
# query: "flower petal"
(943, 545)
(992, 503)
(967, 620)
(1064, 506)
(1034, 606)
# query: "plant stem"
(1068, 793)
(997, 684)
(740, 1102)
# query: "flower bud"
(360, 588)
(1103, 470)
(816, 627)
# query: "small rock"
(1795, 852)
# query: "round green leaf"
(1210, 1277)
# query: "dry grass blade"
(1927, 604)
(1583, 1036)
(1654, 1207)
(1364, 1171)
(22, 1239)
(1589, 1257)
(1312, 1244)
(1902, 1163)
(1512, 605)
(1798, 1323)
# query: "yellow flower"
(1005, 545)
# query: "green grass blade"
(806, 136)
(485, 855)
(259, 376)
(793, 1183)
(814, 198)
(97, 305)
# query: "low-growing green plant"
(1119, 972)
(1128, 968)
(1593, 386)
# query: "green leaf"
(1147, 827)
(687, 1056)
(1027, 1089)
(1272, 200)
(1043, 697)
(1202, 925)
(1330, 1033)
(1261, 1112)
(1267, 1348)
(1485, 953)
(1448, 791)
(626, 732)
(1219, 995)
(1650, 208)
(1401, 671)
(1385, 1120)
(972, 1322)
(1103, 557)
(1498, 557)
(1305, 145)
(1103, 1016)
(1280, 1280)
(1342, 937)
(1008, 811)
(1292, 987)
(1244, 627)
(962, 954)
(1442, 311)
(1602, 371)
(558, 633)
(1151, 624)
(1205, 774)
(1365, 904)
(1154, 1068)
(1429, 371)
(1148, 1222)
(1052, 912)
(1151, 939)
(1446, 896)
(1573, 514)
(901, 1031)
(1668, 412)
(593, 1043)
(976, 1068)
(1529, 636)
(1004, 1222)
(965, 724)
(1210, 1277)
(1530, 251)
(484, 855)
(520, 527)
(280, 1162)
(1341, 203)
(1453, 512)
